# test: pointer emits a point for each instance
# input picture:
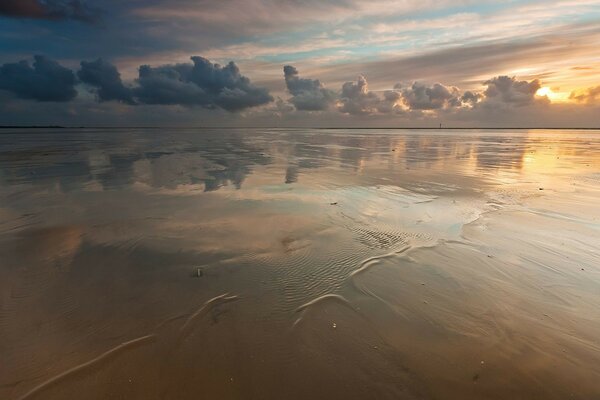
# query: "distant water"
(299, 264)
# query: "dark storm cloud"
(49, 9)
(201, 83)
(105, 78)
(422, 97)
(588, 96)
(21, 8)
(508, 90)
(47, 80)
(308, 94)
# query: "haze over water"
(299, 264)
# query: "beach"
(173, 263)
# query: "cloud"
(46, 81)
(106, 79)
(470, 97)
(356, 98)
(466, 65)
(279, 108)
(390, 102)
(252, 17)
(49, 9)
(500, 92)
(587, 96)
(421, 97)
(508, 90)
(308, 94)
(201, 83)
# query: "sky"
(287, 63)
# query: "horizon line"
(287, 127)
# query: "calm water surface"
(299, 264)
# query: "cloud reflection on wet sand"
(299, 264)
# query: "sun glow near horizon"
(554, 95)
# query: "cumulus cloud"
(508, 90)
(390, 102)
(105, 78)
(588, 96)
(356, 98)
(308, 94)
(49, 9)
(471, 98)
(47, 80)
(422, 97)
(212, 86)
(201, 83)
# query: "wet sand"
(295, 264)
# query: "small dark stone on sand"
(541, 188)
(334, 203)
